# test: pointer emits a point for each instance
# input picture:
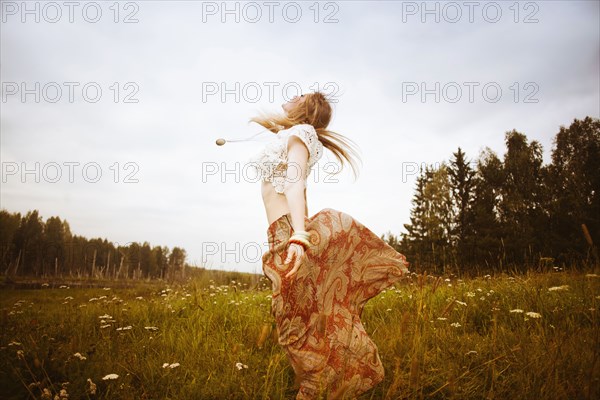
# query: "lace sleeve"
(309, 137)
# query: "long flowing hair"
(315, 110)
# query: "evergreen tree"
(462, 179)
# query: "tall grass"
(438, 337)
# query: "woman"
(324, 268)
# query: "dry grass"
(439, 338)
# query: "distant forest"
(31, 247)
(511, 214)
(492, 215)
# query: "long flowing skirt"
(317, 311)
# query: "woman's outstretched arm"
(294, 185)
(294, 192)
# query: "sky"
(109, 113)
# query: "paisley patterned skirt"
(317, 311)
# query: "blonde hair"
(315, 110)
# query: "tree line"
(510, 213)
(31, 247)
(491, 214)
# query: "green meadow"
(533, 336)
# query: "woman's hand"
(295, 251)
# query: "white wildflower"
(110, 377)
(462, 303)
(78, 355)
(558, 288)
(532, 314)
(125, 328)
(455, 325)
(517, 310)
(92, 387)
(151, 328)
(105, 316)
(240, 366)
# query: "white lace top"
(271, 161)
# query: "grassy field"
(534, 336)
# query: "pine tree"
(462, 179)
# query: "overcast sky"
(141, 102)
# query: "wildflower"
(20, 354)
(442, 318)
(240, 366)
(110, 377)
(470, 294)
(13, 343)
(558, 288)
(78, 355)
(455, 325)
(139, 298)
(462, 303)
(151, 328)
(174, 365)
(471, 352)
(532, 314)
(63, 287)
(389, 309)
(517, 310)
(45, 284)
(125, 328)
(46, 394)
(105, 316)
(92, 387)
(106, 288)
(165, 365)
(69, 298)
(93, 299)
(62, 395)
(104, 326)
